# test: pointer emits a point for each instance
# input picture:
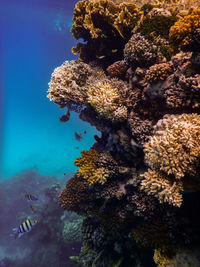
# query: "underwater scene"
(100, 133)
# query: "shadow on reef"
(137, 80)
(56, 235)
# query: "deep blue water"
(36, 39)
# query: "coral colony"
(137, 80)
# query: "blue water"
(36, 39)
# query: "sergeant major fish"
(23, 228)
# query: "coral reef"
(137, 80)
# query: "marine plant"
(137, 81)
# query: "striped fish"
(24, 227)
(31, 197)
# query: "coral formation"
(106, 99)
(137, 80)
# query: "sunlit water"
(36, 39)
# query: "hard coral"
(106, 99)
(158, 72)
(183, 29)
(162, 187)
(104, 25)
(140, 51)
(172, 154)
(68, 83)
(88, 169)
(76, 192)
(177, 151)
(117, 69)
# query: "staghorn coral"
(162, 187)
(140, 51)
(158, 72)
(106, 99)
(88, 169)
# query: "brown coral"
(158, 72)
(75, 193)
(117, 69)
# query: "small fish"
(31, 197)
(78, 136)
(100, 57)
(114, 50)
(23, 228)
(85, 132)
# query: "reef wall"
(137, 80)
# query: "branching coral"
(183, 29)
(177, 151)
(88, 169)
(158, 72)
(162, 187)
(106, 99)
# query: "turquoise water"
(36, 39)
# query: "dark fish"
(65, 117)
(23, 228)
(85, 132)
(78, 136)
(31, 197)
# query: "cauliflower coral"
(172, 154)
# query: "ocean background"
(36, 39)
(37, 151)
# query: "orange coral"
(88, 169)
(181, 31)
